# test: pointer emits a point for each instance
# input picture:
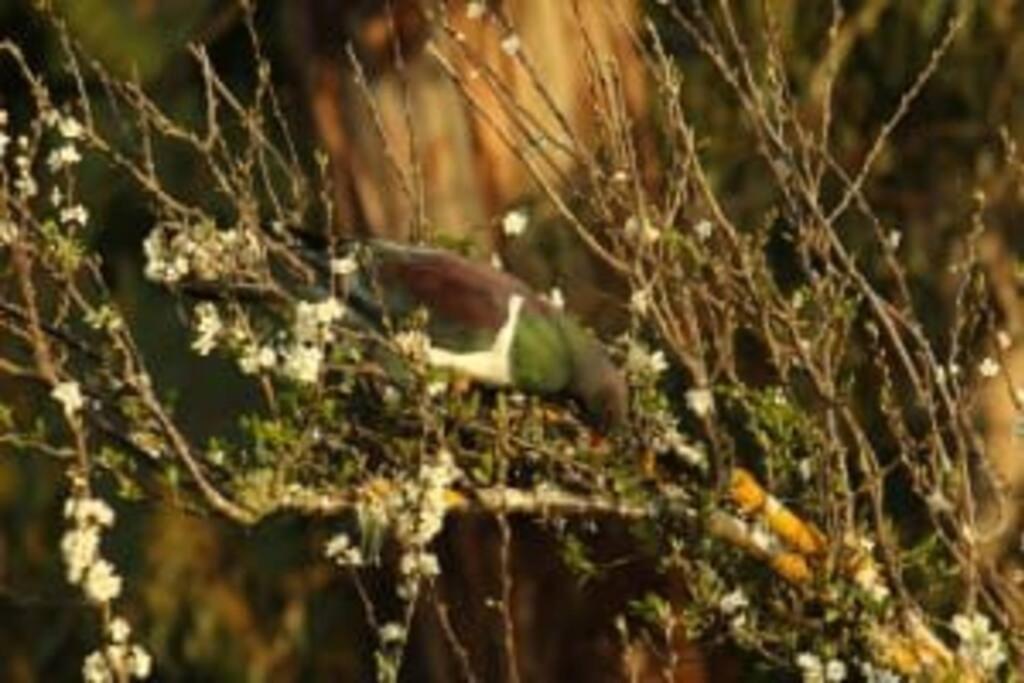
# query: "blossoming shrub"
(800, 452)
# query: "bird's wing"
(468, 302)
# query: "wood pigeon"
(488, 325)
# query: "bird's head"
(600, 386)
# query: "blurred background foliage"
(216, 603)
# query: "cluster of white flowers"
(80, 547)
(642, 363)
(421, 518)
(314, 321)
(120, 659)
(176, 251)
(415, 513)
(24, 184)
(302, 363)
(701, 401)
(69, 395)
(343, 552)
(733, 605)
(979, 643)
(703, 229)
(104, 317)
(67, 155)
(256, 357)
(413, 344)
(475, 9)
(867, 574)
(300, 358)
(641, 229)
(511, 44)
(312, 330)
(640, 301)
(97, 577)
(208, 328)
(814, 670)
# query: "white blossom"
(835, 671)
(95, 669)
(1004, 340)
(70, 128)
(255, 358)
(703, 229)
(80, 548)
(870, 579)
(475, 9)
(514, 223)
(979, 644)
(69, 396)
(340, 549)
(511, 44)
(89, 511)
(640, 301)
(140, 664)
(163, 264)
(302, 363)
(419, 564)
(642, 361)
(174, 251)
(208, 328)
(313, 320)
(63, 157)
(894, 239)
(700, 401)
(733, 602)
(74, 214)
(988, 368)
(102, 584)
(412, 343)
(119, 629)
(642, 228)
(392, 632)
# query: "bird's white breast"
(492, 365)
